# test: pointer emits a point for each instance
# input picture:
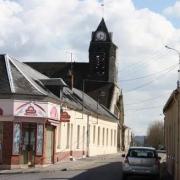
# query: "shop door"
(49, 144)
(1, 141)
(28, 147)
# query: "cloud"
(173, 11)
(46, 30)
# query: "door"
(1, 141)
(49, 144)
(28, 146)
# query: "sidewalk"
(61, 166)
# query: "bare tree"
(155, 134)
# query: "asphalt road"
(108, 168)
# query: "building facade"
(172, 133)
(127, 138)
(43, 121)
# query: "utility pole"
(178, 52)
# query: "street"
(94, 168)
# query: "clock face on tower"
(100, 35)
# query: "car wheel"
(124, 177)
(157, 177)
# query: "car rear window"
(142, 153)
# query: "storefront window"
(16, 138)
(1, 132)
(39, 146)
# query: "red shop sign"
(65, 117)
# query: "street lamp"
(178, 52)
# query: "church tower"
(102, 55)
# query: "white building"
(127, 138)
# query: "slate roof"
(80, 72)
(100, 91)
(93, 105)
(19, 78)
(61, 70)
(82, 102)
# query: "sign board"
(37, 109)
(30, 109)
(54, 111)
(65, 117)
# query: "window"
(103, 136)
(99, 63)
(88, 134)
(83, 137)
(94, 134)
(98, 136)
(142, 153)
(78, 135)
(39, 143)
(67, 136)
(107, 134)
(114, 137)
(71, 141)
(111, 137)
(16, 138)
(1, 140)
(59, 136)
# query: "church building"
(97, 78)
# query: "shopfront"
(27, 139)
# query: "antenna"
(71, 62)
(70, 73)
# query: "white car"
(141, 161)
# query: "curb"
(68, 166)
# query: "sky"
(49, 30)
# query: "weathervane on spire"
(102, 7)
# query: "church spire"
(102, 26)
(102, 34)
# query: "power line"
(146, 84)
(146, 100)
(148, 75)
(144, 61)
(139, 109)
(143, 66)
